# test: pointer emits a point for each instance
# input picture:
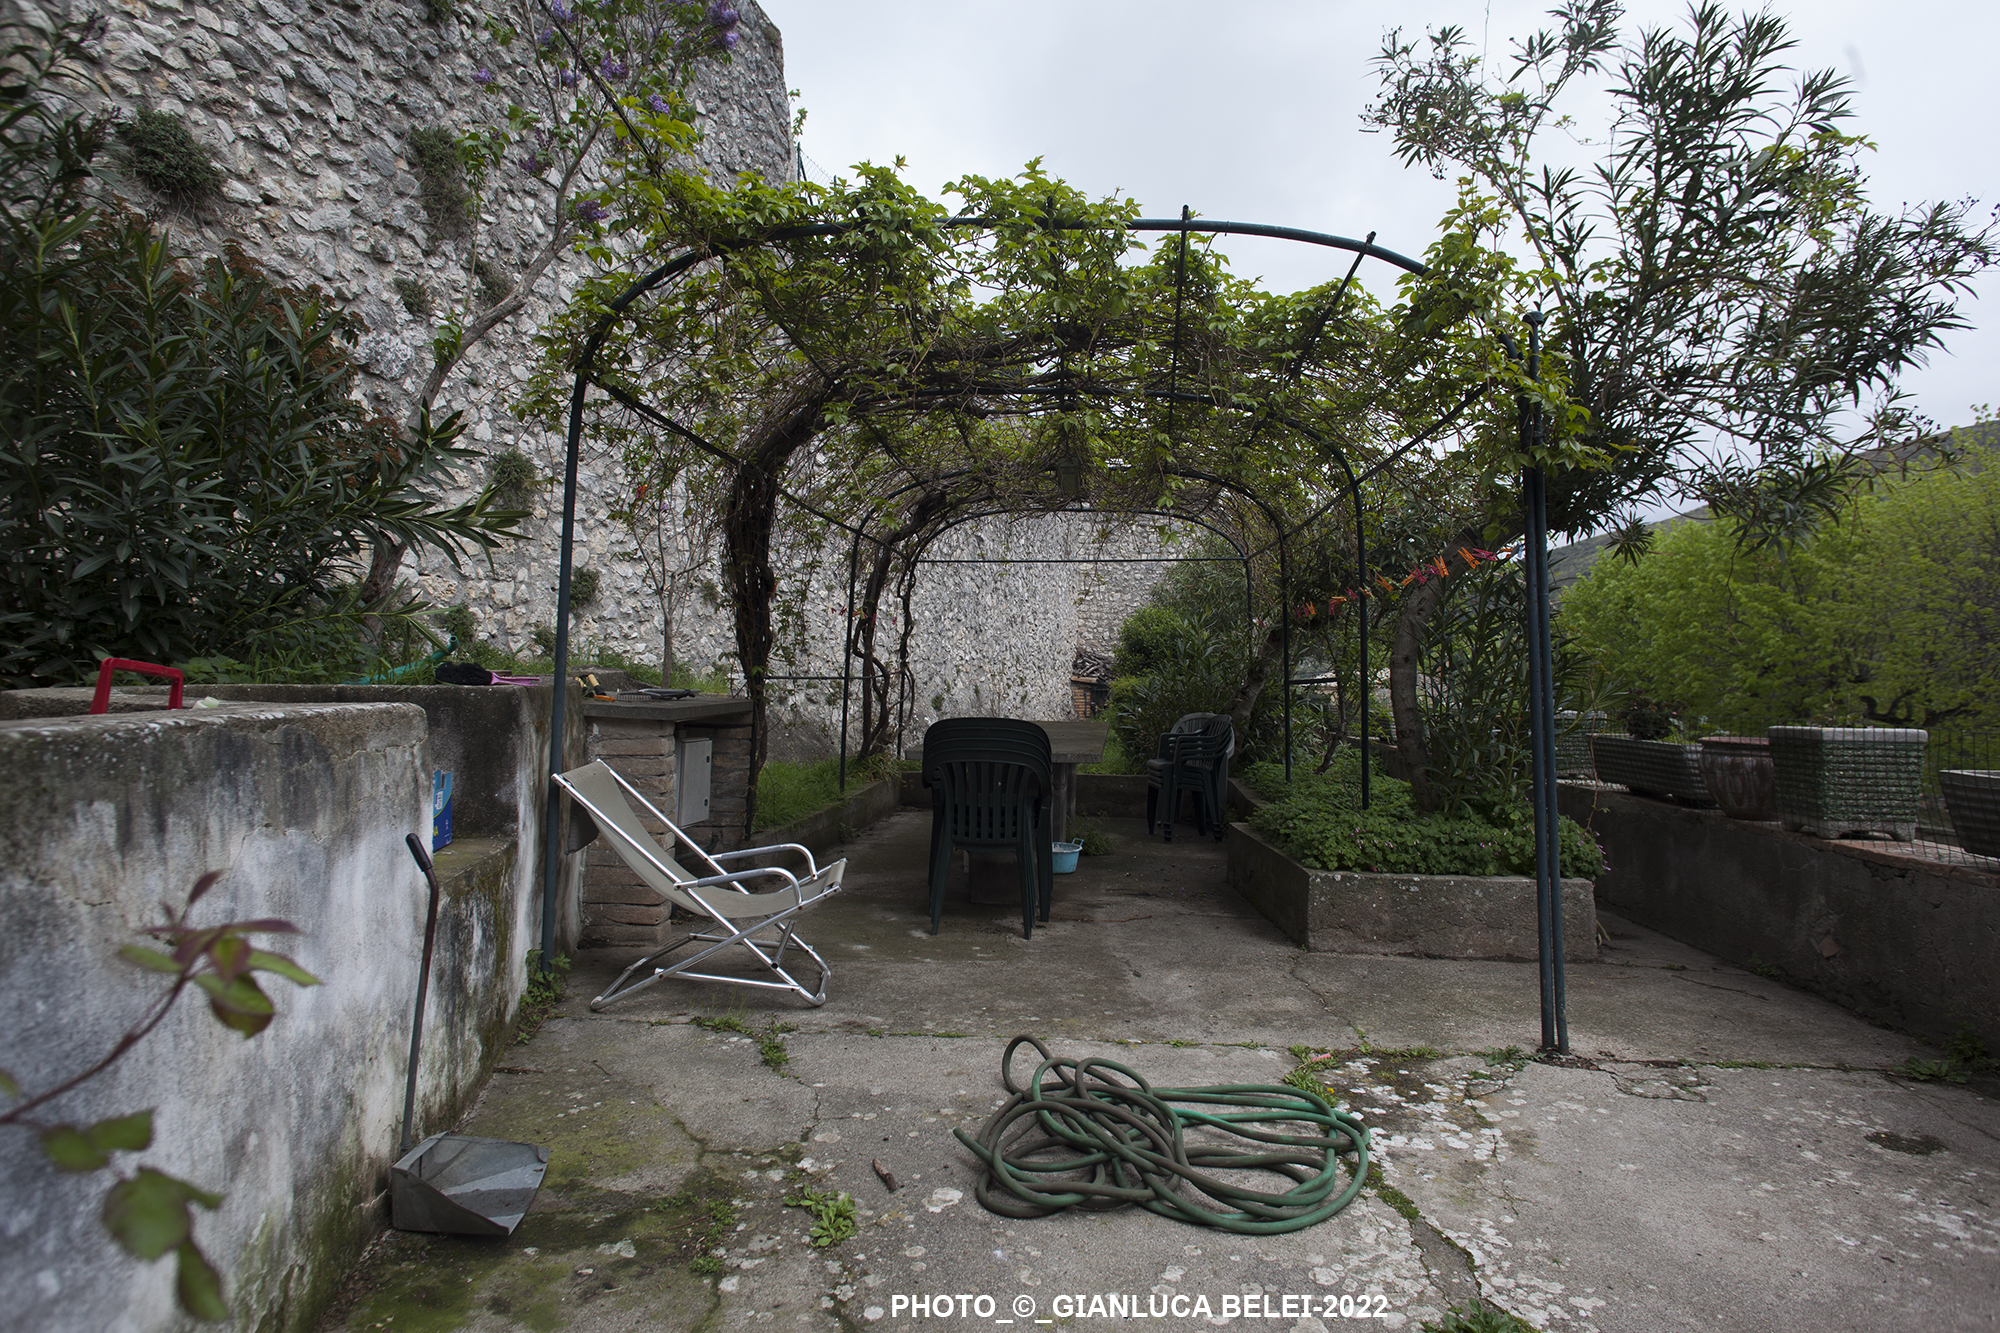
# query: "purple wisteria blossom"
(722, 15)
(546, 38)
(591, 211)
(534, 164)
(613, 70)
(482, 76)
(658, 103)
(566, 77)
(562, 13)
(726, 40)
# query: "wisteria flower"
(591, 211)
(546, 38)
(659, 104)
(726, 40)
(562, 13)
(613, 69)
(566, 77)
(482, 76)
(722, 15)
(534, 164)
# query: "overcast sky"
(1252, 112)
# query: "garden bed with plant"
(1338, 879)
(1317, 820)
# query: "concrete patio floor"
(1722, 1151)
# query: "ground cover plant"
(1317, 820)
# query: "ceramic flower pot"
(1972, 795)
(1738, 773)
(1651, 768)
(1834, 782)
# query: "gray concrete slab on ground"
(1721, 1152)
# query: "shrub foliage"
(1318, 821)
(188, 470)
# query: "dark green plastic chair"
(1193, 761)
(991, 784)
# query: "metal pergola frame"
(1541, 714)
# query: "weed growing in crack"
(1505, 1055)
(544, 993)
(705, 1215)
(833, 1215)
(770, 1041)
(1477, 1317)
(1964, 1055)
(1389, 1194)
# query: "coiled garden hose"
(1093, 1134)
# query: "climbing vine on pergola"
(889, 368)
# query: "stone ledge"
(1427, 916)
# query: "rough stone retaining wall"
(304, 808)
(308, 105)
(1896, 938)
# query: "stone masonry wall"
(308, 106)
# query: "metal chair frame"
(726, 910)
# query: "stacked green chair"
(991, 786)
(1193, 761)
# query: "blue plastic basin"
(1066, 854)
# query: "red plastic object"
(101, 703)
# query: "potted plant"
(1645, 762)
(1833, 782)
(1737, 771)
(1972, 796)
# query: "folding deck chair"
(760, 922)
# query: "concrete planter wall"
(1837, 781)
(1430, 916)
(1651, 768)
(1897, 938)
(822, 829)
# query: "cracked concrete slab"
(1722, 1152)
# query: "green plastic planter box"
(1651, 768)
(1835, 782)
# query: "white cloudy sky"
(1252, 112)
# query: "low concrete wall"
(1430, 916)
(822, 829)
(493, 739)
(305, 808)
(1897, 938)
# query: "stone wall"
(304, 808)
(309, 104)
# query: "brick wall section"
(729, 791)
(618, 906)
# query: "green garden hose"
(1108, 1138)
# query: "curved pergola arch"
(585, 377)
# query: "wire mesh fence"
(1852, 781)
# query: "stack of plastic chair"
(991, 786)
(1193, 761)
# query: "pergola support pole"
(1541, 721)
(552, 851)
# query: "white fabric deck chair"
(762, 922)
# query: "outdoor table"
(1070, 743)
